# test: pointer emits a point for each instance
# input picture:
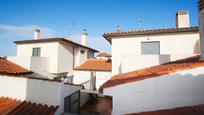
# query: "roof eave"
(53, 40)
(109, 36)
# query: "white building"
(24, 95)
(52, 57)
(151, 69)
(142, 48)
(201, 22)
(167, 86)
(92, 73)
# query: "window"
(36, 51)
(82, 51)
(150, 48)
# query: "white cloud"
(10, 33)
(24, 31)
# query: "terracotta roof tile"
(191, 110)
(95, 65)
(104, 54)
(9, 106)
(108, 36)
(154, 71)
(8, 67)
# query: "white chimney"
(118, 29)
(182, 19)
(84, 38)
(36, 34)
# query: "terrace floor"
(101, 106)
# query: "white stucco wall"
(201, 24)
(65, 59)
(13, 87)
(184, 88)
(49, 50)
(80, 58)
(170, 44)
(59, 57)
(83, 57)
(135, 62)
(38, 65)
(38, 91)
(83, 76)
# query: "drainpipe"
(73, 58)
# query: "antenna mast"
(71, 28)
(140, 22)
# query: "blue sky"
(70, 17)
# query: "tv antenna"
(140, 22)
(71, 28)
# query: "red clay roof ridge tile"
(10, 68)
(154, 71)
(95, 65)
(10, 106)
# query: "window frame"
(36, 51)
(82, 52)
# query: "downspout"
(73, 58)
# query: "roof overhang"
(111, 35)
(54, 40)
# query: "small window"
(82, 51)
(36, 51)
(150, 48)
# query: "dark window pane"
(36, 52)
(82, 51)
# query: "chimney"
(84, 38)
(118, 29)
(182, 19)
(36, 34)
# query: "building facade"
(157, 69)
(93, 73)
(201, 23)
(51, 57)
(166, 86)
(142, 48)
(17, 85)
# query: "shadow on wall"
(197, 47)
(41, 91)
(120, 68)
(169, 91)
(181, 90)
(164, 59)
